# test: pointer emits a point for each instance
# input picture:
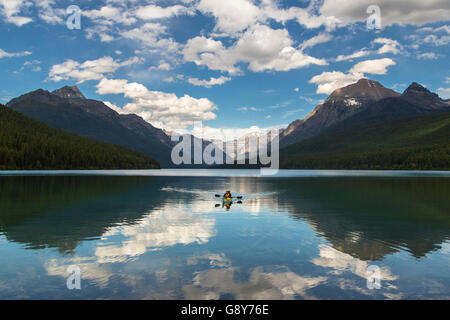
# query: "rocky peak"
(418, 94)
(416, 89)
(363, 91)
(68, 92)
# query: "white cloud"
(444, 93)
(32, 65)
(389, 46)
(231, 15)
(427, 56)
(262, 47)
(249, 109)
(151, 12)
(159, 108)
(48, 14)
(234, 16)
(377, 66)
(355, 55)
(208, 83)
(230, 133)
(417, 12)
(162, 66)
(114, 107)
(327, 82)
(436, 40)
(320, 38)
(150, 34)
(109, 15)
(4, 54)
(88, 70)
(10, 10)
(102, 31)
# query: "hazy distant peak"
(68, 92)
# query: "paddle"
(219, 196)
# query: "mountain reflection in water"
(164, 237)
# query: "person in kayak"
(227, 195)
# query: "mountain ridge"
(344, 103)
(66, 109)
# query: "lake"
(164, 235)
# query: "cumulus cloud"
(417, 12)
(159, 108)
(208, 83)
(262, 47)
(389, 46)
(10, 10)
(109, 15)
(88, 70)
(327, 82)
(377, 66)
(231, 15)
(48, 14)
(151, 35)
(164, 66)
(151, 12)
(234, 16)
(444, 93)
(114, 107)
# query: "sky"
(236, 65)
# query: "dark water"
(169, 238)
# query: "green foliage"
(419, 143)
(26, 144)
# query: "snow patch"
(351, 102)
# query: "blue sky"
(231, 64)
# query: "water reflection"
(163, 237)
(371, 218)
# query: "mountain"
(340, 105)
(415, 142)
(27, 144)
(69, 93)
(69, 110)
(416, 100)
(421, 96)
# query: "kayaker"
(227, 195)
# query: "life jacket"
(227, 195)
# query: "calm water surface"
(299, 235)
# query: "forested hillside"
(26, 144)
(413, 143)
